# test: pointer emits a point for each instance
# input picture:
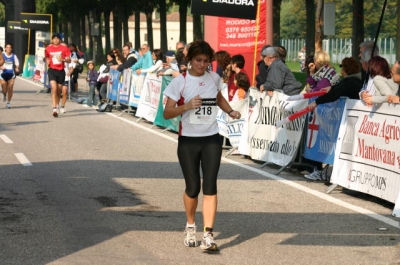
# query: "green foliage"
(293, 19)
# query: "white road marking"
(23, 160)
(5, 139)
(293, 184)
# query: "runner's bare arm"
(172, 110)
(1, 59)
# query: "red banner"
(239, 36)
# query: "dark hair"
(379, 66)
(200, 47)
(309, 59)
(111, 54)
(129, 44)
(242, 81)
(238, 60)
(281, 52)
(223, 59)
(158, 54)
(350, 65)
(115, 50)
(73, 46)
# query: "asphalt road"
(95, 188)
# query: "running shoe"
(63, 110)
(4, 97)
(207, 243)
(315, 175)
(55, 112)
(8, 105)
(190, 238)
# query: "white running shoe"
(8, 105)
(63, 110)
(207, 243)
(190, 238)
(55, 112)
(315, 175)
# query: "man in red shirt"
(237, 64)
(56, 55)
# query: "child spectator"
(243, 84)
(92, 76)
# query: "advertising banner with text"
(150, 97)
(36, 21)
(261, 139)
(367, 157)
(225, 8)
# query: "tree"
(276, 21)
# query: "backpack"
(105, 107)
(79, 68)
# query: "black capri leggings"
(194, 152)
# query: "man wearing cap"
(130, 59)
(56, 56)
(279, 76)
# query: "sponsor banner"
(150, 97)
(172, 124)
(367, 157)
(228, 127)
(36, 21)
(15, 27)
(137, 82)
(261, 139)
(322, 131)
(238, 36)
(29, 66)
(125, 86)
(225, 8)
(113, 84)
(232, 128)
(40, 69)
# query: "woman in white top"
(157, 63)
(194, 96)
(9, 70)
(382, 85)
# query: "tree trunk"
(137, 30)
(76, 29)
(125, 25)
(117, 30)
(310, 33)
(107, 30)
(82, 43)
(149, 22)
(182, 20)
(276, 22)
(197, 28)
(358, 26)
(163, 26)
(398, 31)
(91, 42)
(99, 44)
(319, 21)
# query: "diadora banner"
(225, 8)
(15, 26)
(36, 21)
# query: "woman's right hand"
(194, 103)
